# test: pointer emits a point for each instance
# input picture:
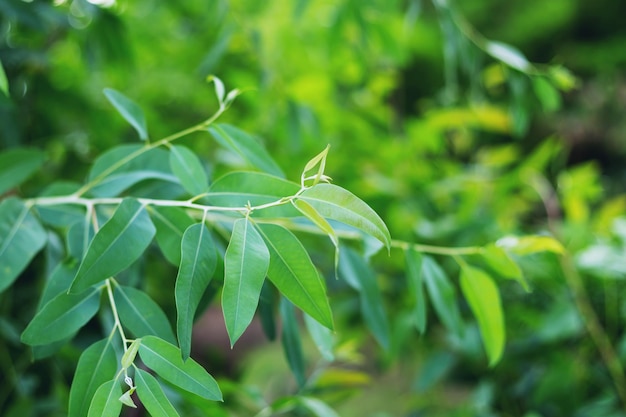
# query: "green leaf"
(106, 401)
(166, 360)
(61, 317)
(293, 273)
(355, 270)
(416, 287)
(126, 399)
(322, 337)
(320, 160)
(442, 295)
(129, 111)
(79, 236)
(500, 262)
(246, 263)
(128, 358)
(219, 88)
(96, 366)
(4, 83)
(16, 165)
(188, 168)
(21, 238)
(140, 314)
(198, 261)
(119, 243)
(317, 407)
(507, 54)
(267, 301)
(290, 338)
(152, 396)
(59, 282)
(317, 219)
(246, 147)
(547, 94)
(339, 204)
(237, 189)
(525, 245)
(484, 299)
(170, 223)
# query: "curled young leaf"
(129, 111)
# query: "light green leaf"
(525, 245)
(290, 338)
(237, 189)
(188, 168)
(152, 396)
(317, 219)
(320, 161)
(16, 165)
(248, 148)
(105, 402)
(317, 407)
(547, 94)
(500, 261)
(339, 204)
(507, 54)
(166, 360)
(126, 399)
(219, 88)
(322, 337)
(293, 273)
(415, 282)
(4, 83)
(21, 238)
(61, 317)
(442, 295)
(140, 314)
(198, 261)
(170, 223)
(246, 263)
(129, 111)
(96, 366)
(129, 356)
(484, 299)
(119, 243)
(355, 270)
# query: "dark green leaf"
(140, 314)
(129, 111)
(79, 236)
(339, 204)
(246, 147)
(484, 299)
(293, 273)
(245, 265)
(119, 243)
(166, 360)
(416, 286)
(21, 237)
(106, 401)
(152, 396)
(355, 270)
(442, 295)
(188, 168)
(198, 261)
(170, 223)
(61, 317)
(267, 301)
(58, 282)
(292, 344)
(97, 365)
(16, 165)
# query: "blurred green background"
(452, 147)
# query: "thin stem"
(116, 316)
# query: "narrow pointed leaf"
(21, 238)
(500, 261)
(4, 82)
(525, 245)
(336, 203)
(246, 263)
(416, 286)
(317, 219)
(484, 299)
(129, 356)
(198, 261)
(355, 270)
(267, 301)
(129, 111)
(508, 54)
(322, 337)
(105, 402)
(58, 282)
(317, 407)
(140, 314)
(166, 360)
(248, 148)
(16, 165)
(119, 243)
(188, 168)
(170, 223)
(293, 273)
(442, 295)
(292, 345)
(97, 365)
(219, 88)
(61, 317)
(152, 396)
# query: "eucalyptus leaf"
(166, 360)
(198, 261)
(119, 243)
(442, 295)
(105, 402)
(508, 54)
(17, 164)
(152, 396)
(170, 223)
(413, 260)
(317, 407)
(188, 168)
(292, 345)
(246, 263)
(322, 337)
(501, 262)
(129, 111)
(526, 245)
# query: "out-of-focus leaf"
(413, 261)
(546, 93)
(267, 301)
(119, 243)
(16, 165)
(322, 337)
(170, 223)
(507, 54)
(79, 236)
(293, 273)
(97, 365)
(246, 263)
(525, 245)
(484, 299)
(198, 261)
(4, 82)
(317, 407)
(105, 402)
(62, 317)
(292, 345)
(21, 238)
(129, 111)
(500, 261)
(442, 295)
(152, 396)
(188, 168)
